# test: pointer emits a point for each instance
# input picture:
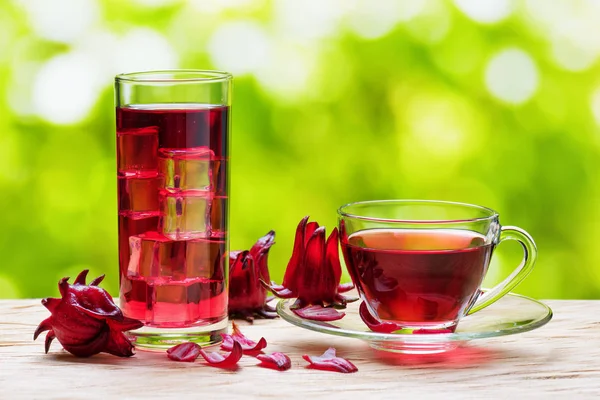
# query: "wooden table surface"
(561, 359)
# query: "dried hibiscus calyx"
(275, 360)
(313, 273)
(247, 297)
(224, 361)
(186, 352)
(248, 345)
(86, 321)
(330, 362)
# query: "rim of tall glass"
(491, 213)
(175, 76)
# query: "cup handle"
(501, 289)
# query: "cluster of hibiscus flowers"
(86, 321)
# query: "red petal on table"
(329, 362)
(432, 331)
(374, 324)
(319, 313)
(224, 361)
(186, 352)
(248, 345)
(275, 360)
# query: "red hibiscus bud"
(247, 297)
(313, 273)
(86, 321)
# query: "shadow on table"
(461, 357)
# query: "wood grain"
(558, 360)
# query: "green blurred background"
(491, 102)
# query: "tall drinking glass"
(173, 179)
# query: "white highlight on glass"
(240, 47)
(486, 11)
(512, 76)
(61, 20)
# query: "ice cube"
(217, 222)
(160, 259)
(205, 258)
(219, 178)
(131, 226)
(138, 194)
(186, 169)
(185, 214)
(137, 149)
(154, 256)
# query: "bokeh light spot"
(512, 76)
(66, 88)
(144, 49)
(374, 19)
(288, 75)
(156, 3)
(240, 47)
(309, 19)
(61, 20)
(571, 56)
(486, 12)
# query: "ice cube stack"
(168, 201)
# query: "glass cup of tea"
(420, 264)
(172, 139)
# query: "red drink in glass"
(172, 173)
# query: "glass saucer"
(510, 315)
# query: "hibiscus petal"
(374, 324)
(344, 287)
(333, 258)
(279, 290)
(80, 280)
(319, 313)
(43, 326)
(186, 352)
(49, 338)
(248, 345)
(224, 361)
(311, 227)
(290, 279)
(275, 360)
(260, 253)
(119, 345)
(329, 362)
(97, 281)
(315, 275)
